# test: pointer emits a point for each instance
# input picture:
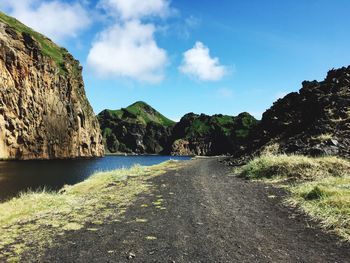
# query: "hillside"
(141, 129)
(136, 129)
(44, 112)
(141, 112)
(211, 135)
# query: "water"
(17, 176)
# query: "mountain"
(211, 135)
(314, 121)
(136, 129)
(141, 129)
(44, 112)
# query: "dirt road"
(200, 214)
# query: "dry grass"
(319, 186)
(295, 167)
(35, 218)
(323, 137)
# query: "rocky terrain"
(314, 121)
(211, 135)
(136, 129)
(44, 112)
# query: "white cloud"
(198, 63)
(57, 20)
(225, 93)
(128, 50)
(136, 9)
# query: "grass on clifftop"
(34, 219)
(319, 186)
(48, 48)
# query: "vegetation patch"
(295, 167)
(319, 186)
(142, 113)
(48, 48)
(34, 219)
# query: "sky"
(204, 56)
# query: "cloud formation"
(56, 19)
(136, 9)
(128, 48)
(198, 63)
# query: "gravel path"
(205, 216)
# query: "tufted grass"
(318, 186)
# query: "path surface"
(209, 217)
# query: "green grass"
(318, 186)
(235, 127)
(34, 219)
(143, 113)
(48, 48)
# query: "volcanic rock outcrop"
(314, 121)
(44, 112)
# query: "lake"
(18, 176)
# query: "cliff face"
(313, 121)
(136, 129)
(211, 135)
(44, 112)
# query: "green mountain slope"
(136, 129)
(141, 112)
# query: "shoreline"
(99, 199)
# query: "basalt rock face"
(44, 112)
(138, 129)
(211, 135)
(314, 121)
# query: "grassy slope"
(319, 186)
(144, 114)
(48, 48)
(34, 219)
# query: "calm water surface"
(16, 176)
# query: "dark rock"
(314, 121)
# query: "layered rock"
(313, 121)
(136, 129)
(44, 112)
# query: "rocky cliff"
(136, 129)
(211, 135)
(44, 112)
(313, 121)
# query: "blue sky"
(194, 56)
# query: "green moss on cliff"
(48, 48)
